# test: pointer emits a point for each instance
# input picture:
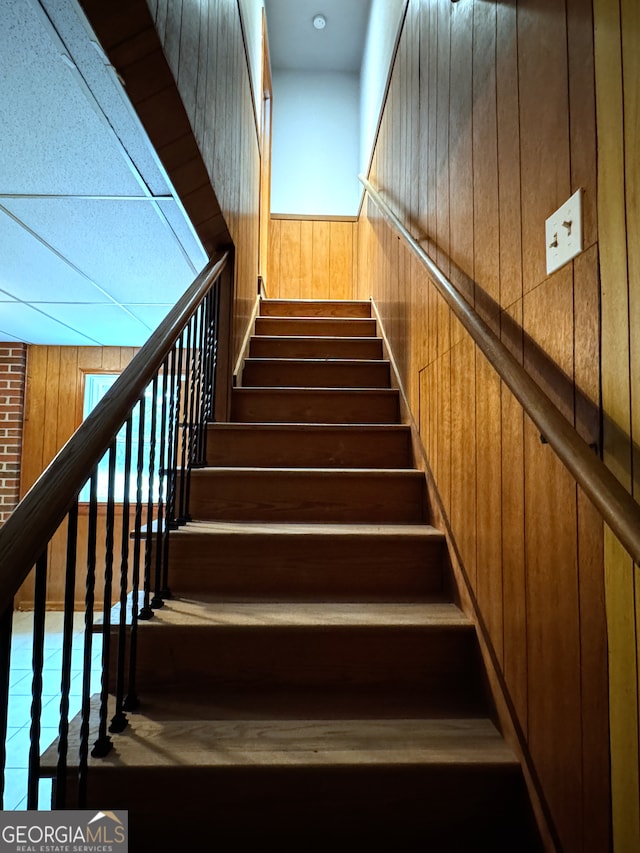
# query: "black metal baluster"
(6, 623)
(170, 522)
(103, 744)
(158, 599)
(131, 703)
(60, 788)
(209, 308)
(197, 460)
(39, 610)
(119, 720)
(182, 507)
(85, 713)
(176, 438)
(210, 361)
(191, 422)
(214, 358)
(146, 612)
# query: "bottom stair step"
(193, 781)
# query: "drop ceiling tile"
(31, 272)
(35, 326)
(81, 42)
(151, 315)
(179, 222)
(46, 119)
(125, 247)
(108, 325)
(5, 338)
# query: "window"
(96, 386)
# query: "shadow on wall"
(576, 406)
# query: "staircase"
(312, 683)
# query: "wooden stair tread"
(383, 473)
(217, 615)
(364, 531)
(345, 362)
(316, 338)
(286, 743)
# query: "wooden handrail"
(614, 503)
(43, 508)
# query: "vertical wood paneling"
(631, 92)
(486, 222)
(306, 259)
(593, 655)
(312, 259)
(555, 718)
(513, 512)
(321, 236)
(290, 260)
(461, 152)
(227, 134)
(509, 197)
(463, 453)
(544, 132)
(617, 28)
(340, 260)
(488, 440)
(495, 158)
(273, 259)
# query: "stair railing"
(155, 419)
(614, 503)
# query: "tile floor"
(19, 712)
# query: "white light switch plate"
(563, 231)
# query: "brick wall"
(13, 369)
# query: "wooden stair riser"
(300, 373)
(313, 308)
(309, 446)
(214, 658)
(315, 406)
(308, 326)
(311, 347)
(311, 567)
(253, 494)
(439, 808)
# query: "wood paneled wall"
(488, 127)
(53, 411)
(311, 259)
(203, 44)
(618, 100)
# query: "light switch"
(563, 231)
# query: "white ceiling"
(94, 245)
(295, 45)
